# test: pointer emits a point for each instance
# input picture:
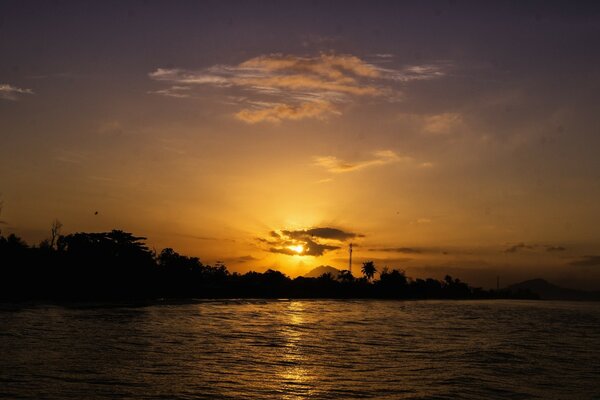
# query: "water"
(303, 349)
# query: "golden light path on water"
(293, 374)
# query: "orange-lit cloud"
(307, 242)
(279, 112)
(444, 123)
(304, 87)
(10, 92)
(438, 124)
(336, 165)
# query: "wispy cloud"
(70, 157)
(534, 248)
(173, 91)
(519, 247)
(443, 124)
(243, 259)
(10, 92)
(405, 250)
(110, 128)
(278, 112)
(438, 124)
(336, 165)
(323, 233)
(587, 261)
(303, 87)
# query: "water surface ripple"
(321, 349)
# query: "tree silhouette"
(368, 269)
(326, 277)
(346, 276)
(1, 205)
(394, 277)
(117, 265)
(55, 231)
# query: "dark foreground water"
(303, 349)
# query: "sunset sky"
(438, 137)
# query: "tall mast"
(350, 258)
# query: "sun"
(297, 248)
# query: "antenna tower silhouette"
(350, 258)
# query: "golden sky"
(436, 138)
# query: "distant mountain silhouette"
(320, 270)
(549, 291)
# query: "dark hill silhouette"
(320, 270)
(548, 291)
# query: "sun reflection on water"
(296, 379)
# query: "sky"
(438, 138)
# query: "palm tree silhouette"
(368, 269)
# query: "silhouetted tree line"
(117, 265)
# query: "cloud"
(189, 77)
(174, 91)
(196, 237)
(310, 248)
(244, 259)
(323, 233)
(325, 180)
(422, 220)
(336, 68)
(519, 247)
(303, 87)
(311, 242)
(111, 128)
(587, 261)
(443, 124)
(71, 157)
(439, 124)
(9, 92)
(533, 247)
(405, 250)
(335, 165)
(279, 112)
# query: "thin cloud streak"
(10, 92)
(173, 91)
(335, 165)
(586, 261)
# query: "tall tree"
(55, 231)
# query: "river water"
(321, 349)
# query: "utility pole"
(350, 258)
